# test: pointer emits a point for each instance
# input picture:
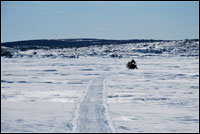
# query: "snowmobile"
(131, 65)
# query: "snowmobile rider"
(133, 62)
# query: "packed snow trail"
(92, 111)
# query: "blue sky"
(103, 20)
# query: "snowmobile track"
(92, 111)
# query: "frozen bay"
(47, 95)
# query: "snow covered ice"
(89, 89)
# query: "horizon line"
(101, 39)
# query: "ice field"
(98, 93)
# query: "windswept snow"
(161, 96)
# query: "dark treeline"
(66, 43)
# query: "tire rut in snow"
(92, 112)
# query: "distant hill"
(99, 47)
(66, 43)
